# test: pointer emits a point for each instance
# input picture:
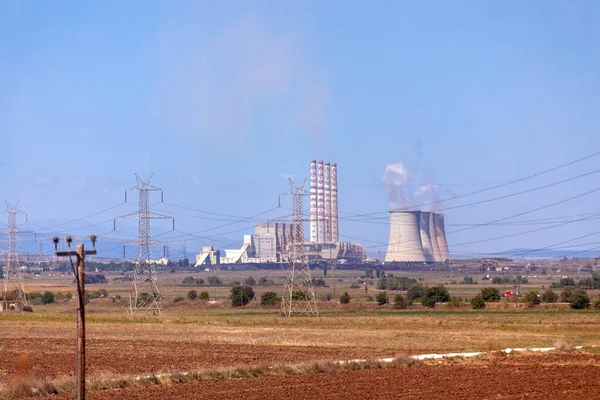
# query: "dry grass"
(36, 388)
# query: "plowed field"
(550, 376)
(52, 358)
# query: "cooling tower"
(435, 247)
(313, 201)
(440, 230)
(426, 237)
(405, 237)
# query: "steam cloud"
(395, 177)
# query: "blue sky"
(223, 100)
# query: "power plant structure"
(323, 202)
(417, 237)
(271, 241)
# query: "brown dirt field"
(549, 376)
(52, 358)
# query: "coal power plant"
(417, 237)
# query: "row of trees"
(578, 299)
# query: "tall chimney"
(327, 203)
(320, 204)
(313, 201)
(334, 204)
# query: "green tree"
(214, 280)
(565, 296)
(48, 298)
(490, 294)
(381, 298)
(478, 302)
(250, 281)
(241, 295)
(532, 298)
(269, 299)
(438, 293)
(579, 300)
(467, 280)
(204, 296)
(415, 292)
(400, 302)
(548, 296)
(369, 273)
(345, 298)
(192, 295)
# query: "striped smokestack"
(320, 204)
(334, 204)
(327, 204)
(313, 201)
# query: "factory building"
(271, 241)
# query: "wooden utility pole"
(79, 273)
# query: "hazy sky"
(223, 100)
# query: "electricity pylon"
(13, 284)
(299, 294)
(144, 295)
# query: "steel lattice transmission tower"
(299, 294)
(14, 286)
(144, 295)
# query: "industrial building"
(271, 240)
(417, 236)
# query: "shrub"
(345, 298)
(548, 296)
(395, 283)
(318, 282)
(400, 302)
(415, 292)
(263, 281)
(269, 299)
(48, 298)
(27, 309)
(565, 296)
(478, 302)
(299, 295)
(454, 302)
(436, 294)
(178, 299)
(204, 296)
(192, 295)
(490, 294)
(214, 280)
(597, 304)
(428, 301)
(355, 285)
(250, 281)
(241, 295)
(532, 298)
(94, 278)
(102, 293)
(467, 280)
(191, 281)
(381, 298)
(579, 300)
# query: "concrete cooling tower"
(435, 248)
(405, 237)
(426, 237)
(440, 233)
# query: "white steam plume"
(394, 177)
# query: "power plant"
(271, 241)
(417, 236)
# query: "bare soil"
(52, 358)
(548, 376)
